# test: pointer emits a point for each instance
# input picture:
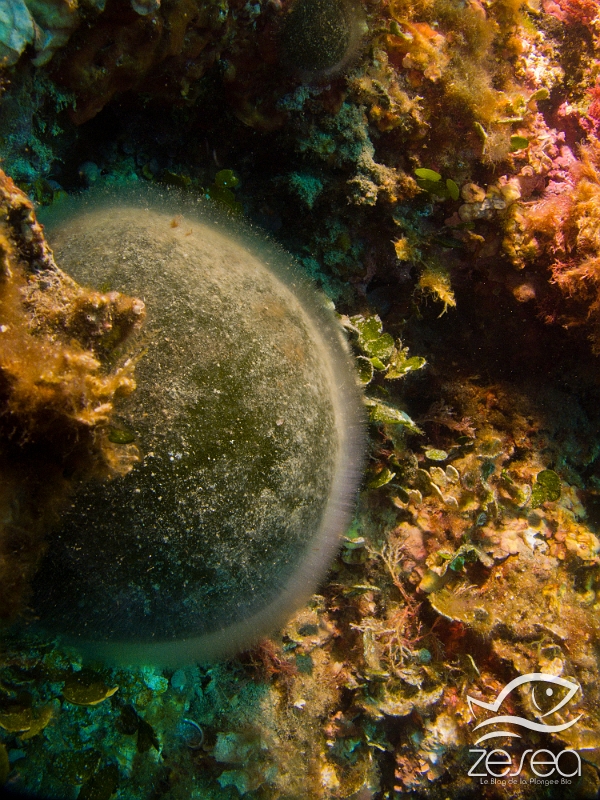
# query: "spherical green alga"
(247, 420)
(321, 38)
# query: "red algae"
(559, 233)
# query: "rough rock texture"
(163, 52)
(45, 24)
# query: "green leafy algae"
(518, 143)
(400, 365)
(26, 721)
(545, 488)
(87, 689)
(453, 189)
(380, 411)
(120, 436)
(384, 477)
(436, 455)
(428, 174)
(365, 370)
(226, 179)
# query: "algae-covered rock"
(45, 24)
(16, 30)
(60, 376)
(245, 416)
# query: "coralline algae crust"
(248, 423)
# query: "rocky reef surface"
(437, 174)
(57, 393)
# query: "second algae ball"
(248, 423)
(320, 38)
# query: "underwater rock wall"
(451, 169)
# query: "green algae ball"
(248, 421)
(320, 38)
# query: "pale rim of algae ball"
(248, 419)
